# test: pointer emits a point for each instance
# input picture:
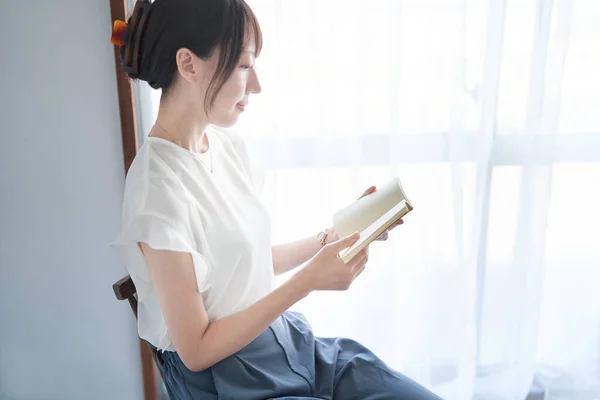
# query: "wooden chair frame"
(125, 290)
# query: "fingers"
(383, 236)
(359, 260)
(360, 271)
(395, 224)
(360, 255)
(368, 191)
(344, 243)
(359, 267)
(354, 268)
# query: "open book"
(371, 216)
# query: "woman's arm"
(174, 279)
(291, 255)
(201, 343)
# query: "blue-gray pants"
(287, 362)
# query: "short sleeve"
(159, 213)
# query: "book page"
(373, 231)
(364, 212)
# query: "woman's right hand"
(327, 271)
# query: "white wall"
(63, 335)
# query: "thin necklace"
(197, 156)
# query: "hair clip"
(118, 33)
(139, 18)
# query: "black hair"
(198, 25)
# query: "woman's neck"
(180, 123)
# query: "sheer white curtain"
(489, 112)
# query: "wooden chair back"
(125, 290)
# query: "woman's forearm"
(291, 255)
(228, 335)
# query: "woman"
(196, 239)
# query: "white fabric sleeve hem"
(159, 235)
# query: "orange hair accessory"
(118, 33)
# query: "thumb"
(345, 242)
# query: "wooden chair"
(125, 290)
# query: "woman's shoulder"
(154, 161)
(150, 176)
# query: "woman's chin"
(227, 122)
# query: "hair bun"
(118, 33)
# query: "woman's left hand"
(384, 235)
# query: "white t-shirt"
(174, 202)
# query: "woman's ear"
(187, 65)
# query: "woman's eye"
(246, 67)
